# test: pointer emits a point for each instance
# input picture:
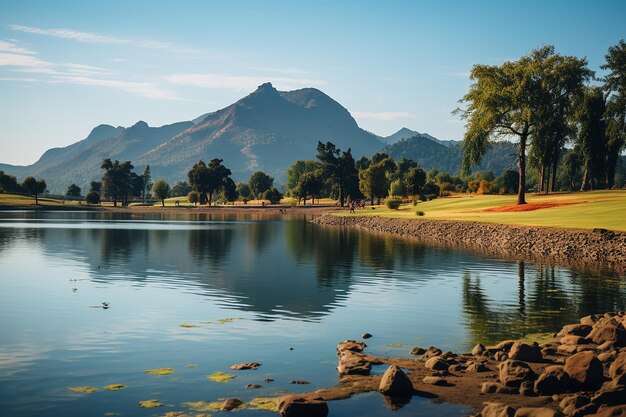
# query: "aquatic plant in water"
(150, 404)
(159, 371)
(221, 377)
(82, 390)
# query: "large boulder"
(585, 369)
(610, 394)
(608, 329)
(537, 412)
(478, 350)
(553, 380)
(301, 406)
(524, 352)
(573, 402)
(351, 345)
(497, 410)
(437, 363)
(581, 330)
(395, 383)
(230, 404)
(618, 367)
(617, 411)
(351, 363)
(512, 373)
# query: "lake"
(200, 292)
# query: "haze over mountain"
(267, 130)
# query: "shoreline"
(598, 249)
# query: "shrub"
(419, 213)
(414, 203)
(445, 194)
(393, 203)
(92, 197)
(273, 195)
(193, 197)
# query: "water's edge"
(597, 249)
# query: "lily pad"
(82, 390)
(159, 371)
(150, 404)
(221, 377)
(202, 406)
(268, 404)
(114, 387)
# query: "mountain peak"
(265, 87)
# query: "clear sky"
(67, 66)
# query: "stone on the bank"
(298, 406)
(572, 402)
(590, 320)
(505, 346)
(431, 352)
(490, 387)
(618, 367)
(610, 394)
(617, 411)
(553, 380)
(435, 380)
(581, 330)
(512, 373)
(608, 330)
(567, 349)
(606, 357)
(395, 383)
(436, 363)
(230, 404)
(524, 352)
(571, 339)
(418, 350)
(585, 369)
(536, 412)
(497, 410)
(454, 369)
(351, 363)
(527, 389)
(500, 356)
(478, 350)
(351, 345)
(477, 367)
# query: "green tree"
(161, 190)
(259, 183)
(373, 181)
(508, 181)
(92, 197)
(414, 180)
(147, 183)
(244, 192)
(591, 140)
(181, 188)
(512, 99)
(32, 186)
(310, 184)
(8, 183)
(95, 186)
(193, 197)
(362, 163)
(273, 195)
(230, 191)
(615, 86)
(117, 182)
(208, 179)
(297, 170)
(339, 168)
(73, 191)
(396, 188)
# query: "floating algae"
(192, 365)
(396, 345)
(228, 320)
(150, 404)
(159, 371)
(112, 413)
(114, 387)
(537, 337)
(221, 377)
(202, 406)
(267, 404)
(82, 390)
(188, 326)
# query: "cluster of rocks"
(584, 248)
(580, 372)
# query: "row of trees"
(544, 102)
(30, 185)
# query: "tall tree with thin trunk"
(147, 183)
(339, 168)
(591, 140)
(615, 87)
(161, 190)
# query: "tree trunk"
(36, 200)
(341, 201)
(210, 198)
(542, 176)
(304, 201)
(162, 202)
(555, 164)
(521, 163)
(583, 186)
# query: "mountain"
(406, 133)
(447, 156)
(267, 130)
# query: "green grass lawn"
(603, 209)
(23, 200)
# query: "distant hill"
(447, 156)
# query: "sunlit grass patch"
(159, 371)
(221, 377)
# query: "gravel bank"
(597, 249)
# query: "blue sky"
(67, 66)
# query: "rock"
(366, 335)
(617, 411)
(589, 320)
(435, 380)
(548, 351)
(300, 382)
(437, 363)
(477, 367)
(610, 394)
(573, 340)
(395, 383)
(245, 366)
(431, 352)
(455, 369)
(497, 410)
(418, 350)
(505, 346)
(572, 402)
(606, 357)
(351, 363)
(585, 410)
(566, 349)
(554, 380)
(298, 406)
(268, 380)
(490, 387)
(512, 373)
(605, 346)
(527, 389)
(253, 386)
(581, 330)
(230, 404)
(608, 330)
(524, 352)
(478, 350)
(585, 369)
(500, 356)
(351, 345)
(618, 367)
(536, 412)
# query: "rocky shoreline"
(598, 249)
(580, 372)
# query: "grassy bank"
(584, 210)
(27, 202)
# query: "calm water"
(294, 289)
